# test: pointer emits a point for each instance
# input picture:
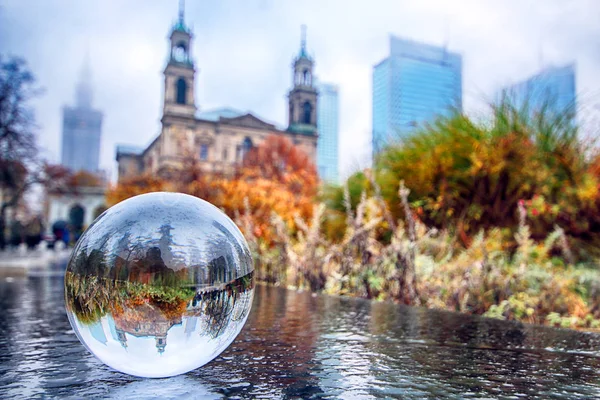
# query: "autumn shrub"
(420, 265)
(467, 175)
(84, 179)
(135, 186)
(276, 176)
(488, 226)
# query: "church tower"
(303, 96)
(179, 72)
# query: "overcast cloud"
(244, 49)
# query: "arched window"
(180, 52)
(181, 89)
(247, 143)
(307, 113)
(203, 152)
(76, 218)
(306, 77)
(246, 147)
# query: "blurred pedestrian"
(17, 232)
(33, 232)
(59, 229)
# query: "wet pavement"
(298, 345)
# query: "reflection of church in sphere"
(145, 321)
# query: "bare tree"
(19, 164)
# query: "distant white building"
(59, 205)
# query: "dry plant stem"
(405, 264)
(564, 245)
(386, 211)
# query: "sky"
(243, 52)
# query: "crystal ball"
(159, 284)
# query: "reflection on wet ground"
(296, 345)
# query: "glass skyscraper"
(82, 127)
(553, 88)
(328, 128)
(416, 83)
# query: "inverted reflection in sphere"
(159, 284)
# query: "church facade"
(217, 139)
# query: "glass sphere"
(159, 284)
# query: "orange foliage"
(59, 179)
(278, 159)
(275, 177)
(133, 187)
(84, 179)
(594, 167)
(265, 196)
(56, 178)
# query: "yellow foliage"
(276, 178)
(135, 186)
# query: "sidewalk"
(22, 262)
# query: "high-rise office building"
(82, 127)
(416, 83)
(552, 88)
(328, 128)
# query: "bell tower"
(303, 96)
(179, 72)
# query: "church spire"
(303, 39)
(180, 24)
(303, 96)
(179, 72)
(303, 53)
(181, 10)
(83, 92)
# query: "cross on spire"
(181, 10)
(303, 38)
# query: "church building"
(217, 139)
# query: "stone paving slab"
(21, 262)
